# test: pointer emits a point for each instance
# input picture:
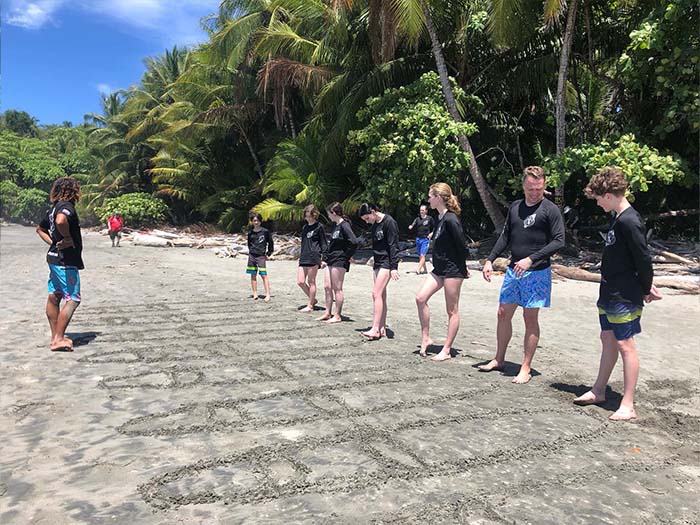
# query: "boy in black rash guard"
(61, 230)
(534, 229)
(449, 268)
(385, 245)
(424, 225)
(260, 247)
(625, 285)
(313, 245)
(340, 250)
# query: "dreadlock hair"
(65, 189)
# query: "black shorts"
(114, 234)
(449, 270)
(309, 264)
(339, 262)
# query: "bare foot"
(267, 298)
(333, 320)
(523, 377)
(491, 366)
(307, 308)
(371, 336)
(62, 345)
(623, 414)
(589, 398)
(254, 297)
(324, 317)
(442, 356)
(424, 347)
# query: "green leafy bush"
(22, 204)
(408, 143)
(137, 209)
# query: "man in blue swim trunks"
(424, 225)
(534, 230)
(61, 230)
(625, 285)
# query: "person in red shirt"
(115, 224)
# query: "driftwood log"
(579, 274)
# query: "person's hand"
(487, 270)
(410, 226)
(522, 266)
(430, 235)
(654, 295)
(323, 265)
(395, 275)
(66, 242)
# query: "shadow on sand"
(510, 369)
(82, 338)
(612, 398)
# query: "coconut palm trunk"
(560, 103)
(492, 208)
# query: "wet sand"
(187, 402)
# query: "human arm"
(64, 229)
(502, 242)
(44, 234)
(392, 239)
(352, 242)
(557, 237)
(636, 241)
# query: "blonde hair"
(535, 172)
(311, 210)
(444, 191)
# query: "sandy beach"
(187, 402)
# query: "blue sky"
(59, 55)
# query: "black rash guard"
(260, 242)
(342, 245)
(531, 231)
(69, 256)
(385, 243)
(449, 248)
(313, 244)
(626, 270)
(422, 227)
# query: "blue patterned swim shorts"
(532, 290)
(64, 281)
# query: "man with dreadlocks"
(61, 230)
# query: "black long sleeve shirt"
(385, 242)
(260, 242)
(535, 231)
(343, 243)
(626, 271)
(313, 243)
(422, 227)
(449, 245)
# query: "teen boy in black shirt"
(626, 284)
(260, 247)
(424, 225)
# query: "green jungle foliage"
(292, 102)
(137, 209)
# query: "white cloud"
(168, 22)
(105, 89)
(31, 15)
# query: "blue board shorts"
(64, 281)
(422, 244)
(532, 290)
(256, 264)
(623, 319)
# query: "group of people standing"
(533, 230)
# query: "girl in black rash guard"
(385, 244)
(337, 257)
(313, 245)
(449, 268)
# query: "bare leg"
(266, 284)
(630, 370)
(311, 273)
(504, 331)
(532, 337)
(381, 279)
(453, 287)
(62, 322)
(608, 359)
(52, 310)
(301, 280)
(421, 264)
(254, 285)
(431, 285)
(328, 289)
(385, 305)
(337, 278)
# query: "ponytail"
(445, 193)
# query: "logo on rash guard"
(336, 234)
(309, 234)
(379, 235)
(425, 222)
(610, 238)
(261, 239)
(529, 220)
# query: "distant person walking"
(260, 247)
(626, 284)
(385, 245)
(449, 268)
(61, 230)
(341, 248)
(115, 224)
(313, 246)
(534, 230)
(424, 225)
